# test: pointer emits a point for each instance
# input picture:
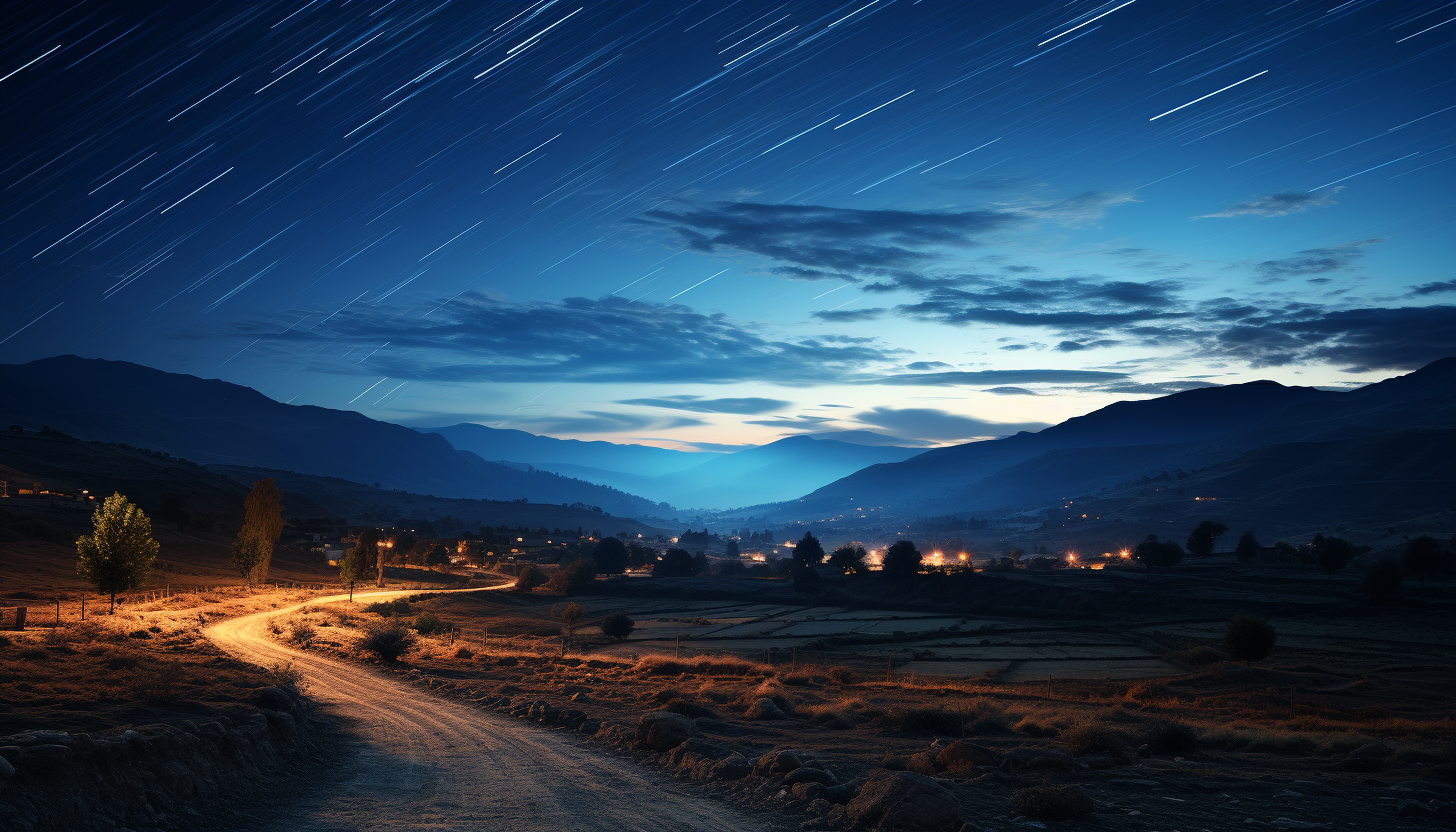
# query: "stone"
(1372, 749)
(1408, 808)
(894, 762)
(1023, 759)
(663, 730)
(764, 709)
(6, 769)
(963, 755)
(781, 761)
(733, 767)
(1144, 751)
(810, 775)
(904, 800)
(922, 763)
(808, 791)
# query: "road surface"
(430, 763)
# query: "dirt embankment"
(152, 777)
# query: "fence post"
(83, 606)
(889, 666)
(58, 618)
(20, 618)
(1049, 686)
(794, 661)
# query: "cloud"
(1077, 346)
(830, 240)
(1434, 288)
(841, 316)
(1162, 388)
(939, 425)
(1083, 208)
(476, 338)
(1010, 391)
(978, 377)
(795, 423)
(697, 404)
(1071, 302)
(1403, 338)
(1314, 261)
(1277, 205)
(591, 421)
(921, 366)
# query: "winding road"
(427, 762)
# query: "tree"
(263, 521)
(848, 559)
(573, 578)
(808, 552)
(1248, 547)
(617, 626)
(529, 579)
(571, 617)
(1422, 557)
(118, 553)
(356, 561)
(639, 555)
(675, 563)
(1332, 553)
(1201, 540)
(1248, 638)
(902, 559)
(1382, 579)
(731, 550)
(438, 555)
(610, 555)
(247, 555)
(1161, 553)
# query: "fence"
(57, 610)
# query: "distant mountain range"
(1243, 427)
(214, 422)
(545, 451)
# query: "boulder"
(781, 761)
(764, 709)
(1408, 808)
(808, 791)
(733, 767)
(921, 763)
(1023, 759)
(6, 769)
(1371, 749)
(811, 775)
(963, 755)
(663, 730)
(904, 800)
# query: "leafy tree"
(675, 563)
(639, 555)
(1382, 579)
(1161, 553)
(848, 559)
(704, 565)
(438, 555)
(573, 578)
(617, 626)
(356, 561)
(118, 553)
(731, 550)
(571, 617)
(610, 555)
(1422, 557)
(263, 521)
(808, 552)
(529, 579)
(902, 559)
(1331, 553)
(1248, 547)
(247, 555)
(1248, 638)
(1201, 540)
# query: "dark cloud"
(1402, 338)
(795, 423)
(475, 338)
(1314, 261)
(932, 424)
(1076, 346)
(849, 315)
(978, 377)
(802, 273)
(1015, 347)
(921, 366)
(1434, 288)
(1154, 389)
(698, 404)
(1086, 302)
(1010, 391)
(592, 421)
(1277, 205)
(831, 239)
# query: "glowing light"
(964, 557)
(1071, 557)
(1124, 554)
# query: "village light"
(1124, 554)
(1071, 557)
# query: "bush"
(574, 578)
(302, 632)
(428, 623)
(1249, 638)
(617, 626)
(1092, 737)
(841, 675)
(287, 677)
(1203, 654)
(1055, 803)
(1382, 580)
(529, 579)
(399, 606)
(923, 721)
(1171, 738)
(387, 641)
(162, 686)
(464, 653)
(676, 563)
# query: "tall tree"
(808, 552)
(247, 555)
(730, 549)
(902, 559)
(1422, 557)
(1202, 538)
(1248, 547)
(848, 559)
(610, 555)
(356, 561)
(1332, 553)
(118, 553)
(263, 522)
(1154, 552)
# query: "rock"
(1098, 762)
(1023, 759)
(842, 793)
(903, 800)
(732, 767)
(894, 762)
(781, 761)
(589, 727)
(922, 763)
(1362, 765)
(963, 755)
(1372, 749)
(1287, 825)
(1144, 751)
(810, 775)
(820, 807)
(764, 709)
(663, 730)
(6, 769)
(694, 751)
(808, 791)
(1408, 808)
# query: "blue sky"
(709, 224)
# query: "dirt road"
(426, 762)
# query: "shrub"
(841, 675)
(399, 606)
(574, 578)
(464, 653)
(162, 686)
(1055, 803)
(923, 720)
(1422, 557)
(1203, 654)
(1382, 580)
(1092, 737)
(1249, 638)
(428, 623)
(1171, 737)
(301, 632)
(529, 579)
(287, 677)
(617, 626)
(387, 641)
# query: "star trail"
(517, 213)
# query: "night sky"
(713, 223)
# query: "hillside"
(215, 422)
(498, 444)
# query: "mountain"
(545, 451)
(212, 421)
(1199, 415)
